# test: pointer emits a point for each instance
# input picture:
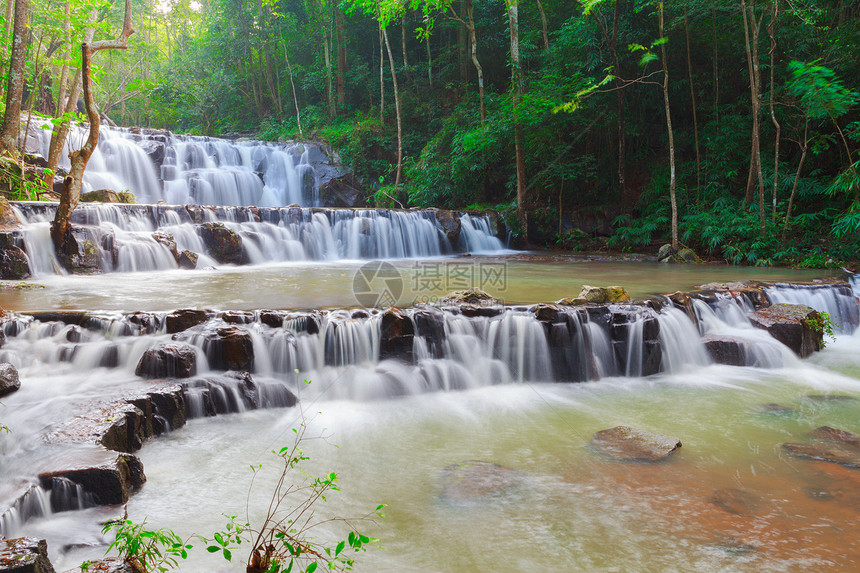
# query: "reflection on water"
(515, 279)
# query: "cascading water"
(138, 237)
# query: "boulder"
(343, 191)
(188, 260)
(791, 325)
(9, 381)
(836, 454)
(473, 481)
(229, 348)
(473, 296)
(665, 253)
(81, 251)
(24, 555)
(841, 437)
(111, 482)
(224, 244)
(571, 301)
(604, 294)
(631, 444)
(155, 150)
(168, 360)
(8, 219)
(272, 318)
(167, 239)
(397, 333)
(14, 264)
(450, 223)
(183, 319)
(545, 313)
(728, 350)
(737, 501)
(100, 196)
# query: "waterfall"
(839, 303)
(134, 238)
(477, 235)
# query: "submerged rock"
(168, 360)
(475, 480)
(188, 260)
(631, 444)
(777, 409)
(791, 325)
(737, 501)
(829, 434)
(9, 381)
(24, 555)
(844, 456)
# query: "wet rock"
(24, 555)
(545, 313)
(790, 324)
(80, 252)
(397, 333)
(450, 223)
(237, 317)
(188, 260)
(75, 317)
(108, 483)
(167, 239)
(127, 429)
(777, 409)
(626, 443)
(570, 301)
(229, 348)
(180, 320)
(198, 213)
(224, 244)
(689, 256)
(100, 196)
(431, 327)
(155, 150)
(9, 381)
(848, 457)
(168, 360)
(737, 501)
(109, 566)
(842, 437)
(14, 264)
(665, 252)
(272, 318)
(728, 350)
(473, 296)
(343, 191)
(604, 294)
(473, 481)
(8, 219)
(731, 546)
(830, 398)
(480, 310)
(818, 493)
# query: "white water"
(267, 235)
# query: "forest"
(729, 127)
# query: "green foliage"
(148, 549)
(822, 323)
(821, 94)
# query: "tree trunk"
(517, 91)
(381, 78)
(543, 25)
(12, 120)
(72, 183)
(4, 55)
(429, 55)
(341, 60)
(693, 103)
(805, 148)
(293, 85)
(403, 49)
(397, 111)
(612, 43)
(473, 44)
(672, 198)
(751, 34)
(329, 78)
(776, 126)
